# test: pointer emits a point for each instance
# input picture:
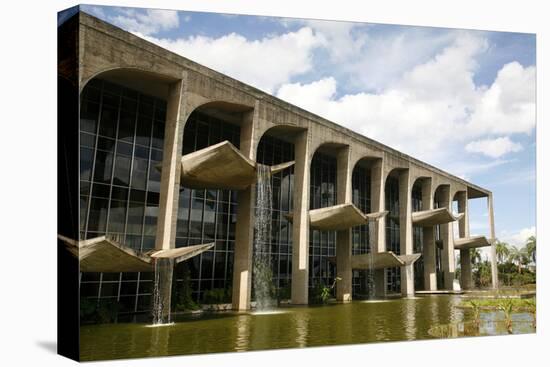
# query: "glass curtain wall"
(418, 238)
(121, 142)
(206, 216)
(273, 151)
(360, 234)
(322, 244)
(393, 275)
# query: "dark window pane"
(89, 113)
(117, 216)
(122, 171)
(87, 140)
(86, 161)
(109, 117)
(103, 166)
(100, 191)
(98, 215)
(135, 218)
(143, 131)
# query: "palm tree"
(518, 256)
(531, 248)
(475, 256)
(502, 250)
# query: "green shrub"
(216, 296)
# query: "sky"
(461, 100)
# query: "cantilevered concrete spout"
(428, 218)
(381, 260)
(105, 255)
(472, 242)
(221, 166)
(339, 217)
(181, 253)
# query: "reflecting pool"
(291, 327)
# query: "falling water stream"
(262, 273)
(162, 290)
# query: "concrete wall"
(107, 51)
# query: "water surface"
(296, 327)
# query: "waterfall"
(370, 273)
(162, 290)
(262, 273)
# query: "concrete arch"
(289, 133)
(127, 77)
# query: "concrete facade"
(110, 53)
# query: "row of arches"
(335, 175)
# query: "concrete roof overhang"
(339, 217)
(428, 218)
(221, 166)
(472, 242)
(380, 260)
(105, 255)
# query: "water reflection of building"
(143, 108)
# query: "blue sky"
(462, 100)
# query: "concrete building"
(168, 153)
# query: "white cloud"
(433, 109)
(147, 22)
(518, 238)
(265, 63)
(508, 106)
(493, 148)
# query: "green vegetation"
(216, 296)
(181, 290)
(507, 306)
(516, 266)
(321, 293)
(476, 310)
(93, 311)
(517, 304)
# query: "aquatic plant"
(476, 310)
(507, 306)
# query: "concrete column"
(244, 231)
(300, 225)
(465, 269)
(494, 268)
(343, 238)
(405, 228)
(446, 231)
(428, 247)
(171, 168)
(464, 231)
(378, 204)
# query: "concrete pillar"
(464, 231)
(343, 238)
(446, 231)
(405, 228)
(465, 269)
(428, 247)
(244, 231)
(300, 226)
(494, 267)
(378, 204)
(171, 168)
